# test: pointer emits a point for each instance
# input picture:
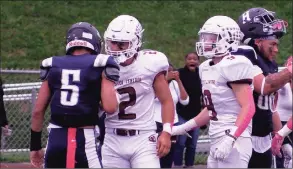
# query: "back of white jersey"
(284, 103)
(218, 95)
(136, 109)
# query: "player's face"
(118, 46)
(191, 61)
(209, 39)
(269, 48)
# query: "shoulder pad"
(236, 69)
(205, 63)
(103, 60)
(248, 52)
(47, 62)
(45, 68)
(155, 61)
(111, 67)
(202, 66)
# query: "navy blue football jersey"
(262, 120)
(75, 86)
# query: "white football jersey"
(284, 103)
(219, 97)
(135, 85)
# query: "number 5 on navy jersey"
(68, 88)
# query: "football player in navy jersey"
(262, 32)
(74, 85)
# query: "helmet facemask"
(125, 49)
(270, 24)
(218, 44)
(219, 36)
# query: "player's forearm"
(109, 97)
(168, 115)
(168, 111)
(275, 81)
(37, 121)
(246, 114)
(277, 125)
(202, 118)
(41, 105)
(36, 130)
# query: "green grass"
(34, 30)
(24, 157)
(15, 157)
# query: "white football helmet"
(225, 34)
(124, 28)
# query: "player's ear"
(258, 42)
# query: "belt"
(173, 139)
(125, 132)
(87, 127)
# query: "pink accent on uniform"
(290, 68)
(249, 115)
(71, 148)
(289, 123)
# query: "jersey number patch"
(265, 102)
(150, 52)
(68, 89)
(209, 104)
(124, 104)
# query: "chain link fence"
(20, 91)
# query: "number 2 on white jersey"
(69, 88)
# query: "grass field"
(34, 30)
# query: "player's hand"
(37, 158)
(179, 130)
(176, 75)
(6, 131)
(163, 144)
(224, 148)
(277, 144)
